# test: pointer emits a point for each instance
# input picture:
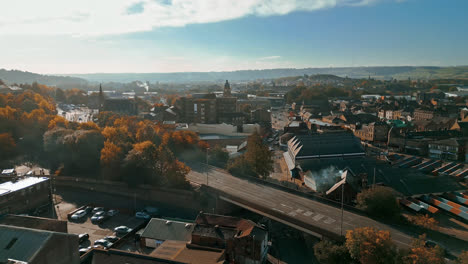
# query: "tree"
(218, 157)
(240, 166)
(463, 258)
(7, 146)
(370, 246)
(88, 126)
(379, 201)
(110, 154)
(146, 132)
(138, 165)
(424, 221)
(258, 156)
(421, 254)
(327, 252)
(58, 121)
(111, 158)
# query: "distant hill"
(86, 80)
(402, 72)
(15, 76)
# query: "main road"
(305, 214)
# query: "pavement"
(309, 213)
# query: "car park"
(122, 230)
(78, 215)
(112, 212)
(97, 209)
(142, 215)
(83, 237)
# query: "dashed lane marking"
(308, 213)
(318, 217)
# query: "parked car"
(84, 250)
(82, 238)
(97, 209)
(142, 215)
(99, 217)
(122, 230)
(112, 239)
(78, 215)
(103, 242)
(88, 209)
(112, 212)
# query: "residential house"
(243, 240)
(377, 131)
(159, 230)
(448, 149)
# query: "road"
(309, 213)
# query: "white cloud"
(270, 58)
(107, 17)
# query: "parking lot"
(96, 231)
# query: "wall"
(181, 198)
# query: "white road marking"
(278, 210)
(299, 211)
(329, 220)
(318, 217)
(308, 213)
(286, 206)
(292, 213)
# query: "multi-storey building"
(421, 114)
(377, 131)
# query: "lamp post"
(207, 166)
(342, 197)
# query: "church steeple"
(101, 98)
(227, 89)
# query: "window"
(11, 243)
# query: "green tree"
(258, 156)
(239, 166)
(218, 157)
(379, 201)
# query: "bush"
(327, 252)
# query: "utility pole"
(373, 186)
(342, 201)
(207, 166)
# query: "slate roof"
(326, 144)
(163, 229)
(23, 243)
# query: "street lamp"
(207, 166)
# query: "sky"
(116, 36)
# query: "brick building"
(24, 195)
(243, 240)
(377, 131)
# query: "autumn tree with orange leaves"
(371, 246)
(422, 254)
